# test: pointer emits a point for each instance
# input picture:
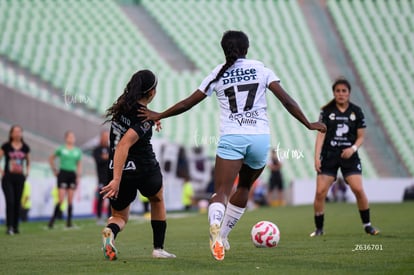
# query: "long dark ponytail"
(141, 83)
(235, 45)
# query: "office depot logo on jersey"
(238, 75)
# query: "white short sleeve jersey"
(241, 92)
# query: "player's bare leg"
(159, 225)
(323, 182)
(355, 182)
(115, 224)
(238, 201)
(225, 173)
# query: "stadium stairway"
(338, 63)
(158, 38)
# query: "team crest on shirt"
(352, 116)
(145, 126)
(332, 116)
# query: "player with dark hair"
(68, 175)
(17, 156)
(133, 165)
(240, 86)
(338, 148)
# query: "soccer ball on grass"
(265, 234)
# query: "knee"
(157, 198)
(320, 195)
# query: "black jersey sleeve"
(322, 117)
(360, 119)
(27, 148)
(142, 128)
(4, 147)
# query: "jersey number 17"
(231, 94)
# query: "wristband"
(354, 147)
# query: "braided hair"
(235, 45)
(141, 83)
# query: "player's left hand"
(148, 114)
(347, 153)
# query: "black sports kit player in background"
(101, 157)
(17, 156)
(338, 148)
(133, 165)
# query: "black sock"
(55, 214)
(115, 228)
(319, 221)
(364, 216)
(69, 218)
(158, 233)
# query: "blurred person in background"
(16, 170)
(187, 194)
(338, 148)
(68, 175)
(101, 157)
(275, 196)
(26, 202)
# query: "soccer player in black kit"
(101, 157)
(133, 165)
(338, 148)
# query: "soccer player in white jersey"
(240, 85)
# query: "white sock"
(216, 213)
(231, 217)
(366, 224)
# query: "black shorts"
(332, 161)
(148, 181)
(276, 181)
(66, 179)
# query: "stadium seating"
(278, 44)
(90, 49)
(379, 36)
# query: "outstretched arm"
(293, 108)
(180, 107)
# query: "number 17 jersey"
(241, 92)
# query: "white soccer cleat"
(162, 254)
(108, 246)
(216, 244)
(317, 232)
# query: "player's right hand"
(318, 165)
(111, 190)
(148, 114)
(321, 127)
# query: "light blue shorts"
(253, 149)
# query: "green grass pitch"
(37, 250)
